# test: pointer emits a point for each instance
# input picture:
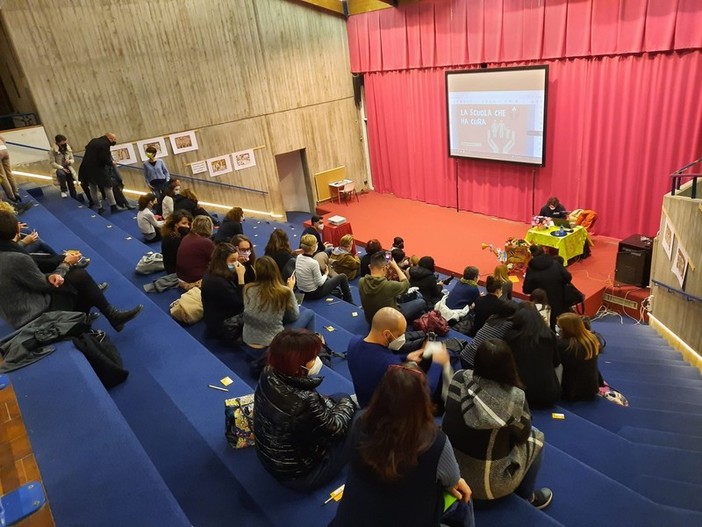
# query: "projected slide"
(498, 114)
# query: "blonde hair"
(308, 241)
(574, 331)
(346, 240)
(6, 207)
(269, 285)
(502, 273)
(202, 225)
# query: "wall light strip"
(139, 193)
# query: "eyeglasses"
(412, 369)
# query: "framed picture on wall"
(183, 142)
(680, 263)
(244, 159)
(668, 237)
(219, 165)
(159, 143)
(124, 154)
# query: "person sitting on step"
(175, 227)
(488, 421)
(309, 276)
(231, 225)
(27, 292)
(149, 226)
(342, 260)
(222, 288)
(194, 253)
(61, 159)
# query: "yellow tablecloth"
(568, 246)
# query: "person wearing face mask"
(321, 254)
(174, 229)
(95, 172)
(268, 305)
(311, 280)
(155, 172)
(221, 292)
(247, 256)
(166, 202)
(61, 158)
(370, 357)
(301, 436)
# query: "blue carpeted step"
(643, 371)
(661, 438)
(617, 457)
(612, 417)
(93, 467)
(652, 381)
(678, 494)
(583, 497)
(656, 403)
(669, 393)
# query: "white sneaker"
(64, 194)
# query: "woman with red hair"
(301, 435)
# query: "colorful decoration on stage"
(515, 254)
(541, 222)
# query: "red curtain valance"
(441, 33)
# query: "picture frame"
(244, 159)
(158, 142)
(668, 238)
(680, 264)
(183, 142)
(219, 166)
(124, 154)
(198, 167)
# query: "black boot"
(115, 208)
(118, 318)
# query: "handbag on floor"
(151, 262)
(238, 416)
(432, 322)
(232, 329)
(188, 308)
(573, 297)
(103, 356)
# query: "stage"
(455, 239)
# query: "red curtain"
(435, 33)
(617, 127)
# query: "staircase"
(606, 464)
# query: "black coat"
(485, 306)
(96, 166)
(228, 230)
(221, 299)
(536, 362)
(425, 280)
(295, 426)
(546, 273)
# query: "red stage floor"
(454, 239)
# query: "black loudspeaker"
(634, 261)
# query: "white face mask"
(320, 226)
(316, 367)
(396, 344)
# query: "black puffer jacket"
(294, 425)
(426, 281)
(546, 273)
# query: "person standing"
(96, 171)
(61, 158)
(7, 180)
(156, 174)
(544, 272)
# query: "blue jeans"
(526, 487)
(306, 320)
(413, 309)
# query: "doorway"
(295, 186)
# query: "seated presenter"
(553, 209)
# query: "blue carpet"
(86, 449)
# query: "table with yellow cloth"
(568, 246)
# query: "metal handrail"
(174, 175)
(678, 176)
(682, 293)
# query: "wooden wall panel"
(679, 315)
(243, 74)
(16, 89)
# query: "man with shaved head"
(95, 171)
(371, 356)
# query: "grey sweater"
(261, 323)
(25, 291)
